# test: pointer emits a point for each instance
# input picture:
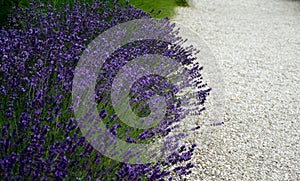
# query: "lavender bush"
(39, 136)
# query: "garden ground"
(257, 44)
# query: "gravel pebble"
(257, 44)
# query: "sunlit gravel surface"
(257, 44)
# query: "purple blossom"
(39, 52)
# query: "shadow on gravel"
(296, 3)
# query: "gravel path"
(257, 44)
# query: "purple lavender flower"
(39, 51)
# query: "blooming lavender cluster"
(141, 90)
(39, 136)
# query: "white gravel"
(257, 44)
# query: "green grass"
(167, 6)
